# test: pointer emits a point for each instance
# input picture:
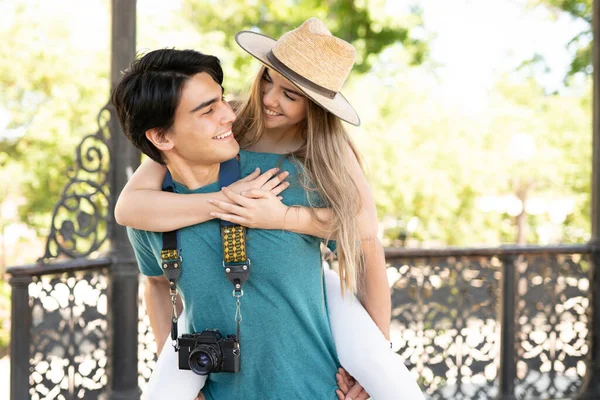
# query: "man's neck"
(194, 176)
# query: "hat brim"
(258, 45)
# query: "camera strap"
(171, 260)
(236, 263)
(235, 258)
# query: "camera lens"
(203, 360)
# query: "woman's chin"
(272, 123)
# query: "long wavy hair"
(322, 170)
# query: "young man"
(171, 107)
(170, 104)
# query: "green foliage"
(428, 159)
(4, 317)
(53, 81)
(364, 24)
(435, 162)
(52, 86)
(579, 10)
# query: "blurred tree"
(53, 83)
(54, 70)
(438, 160)
(369, 26)
(424, 156)
(430, 160)
(547, 155)
(580, 10)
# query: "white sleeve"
(167, 380)
(363, 350)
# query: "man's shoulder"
(147, 251)
(139, 237)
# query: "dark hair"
(149, 92)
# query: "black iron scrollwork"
(147, 344)
(553, 337)
(444, 324)
(79, 220)
(69, 350)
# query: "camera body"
(208, 352)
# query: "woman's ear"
(159, 139)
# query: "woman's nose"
(270, 98)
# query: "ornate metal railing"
(81, 217)
(60, 335)
(447, 323)
(479, 323)
(74, 330)
(60, 330)
(146, 344)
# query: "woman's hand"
(200, 396)
(349, 388)
(256, 208)
(268, 181)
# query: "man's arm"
(158, 306)
(157, 297)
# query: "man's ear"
(160, 140)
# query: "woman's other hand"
(269, 181)
(200, 396)
(349, 388)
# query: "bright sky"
(477, 40)
(158, 6)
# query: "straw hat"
(314, 60)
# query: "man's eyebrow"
(204, 104)
(207, 102)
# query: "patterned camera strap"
(236, 263)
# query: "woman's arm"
(143, 198)
(159, 308)
(375, 296)
(301, 220)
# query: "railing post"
(508, 366)
(123, 293)
(20, 337)
(591, 387)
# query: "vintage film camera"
(208, 352)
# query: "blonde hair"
(322, 170)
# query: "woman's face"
(284, 106)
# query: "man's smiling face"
(201, 132)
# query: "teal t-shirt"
(287, 349)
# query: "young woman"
(291, 121)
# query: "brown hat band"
(299, 78)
